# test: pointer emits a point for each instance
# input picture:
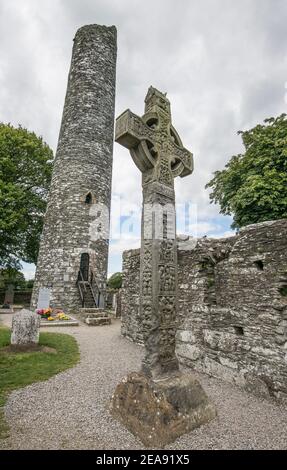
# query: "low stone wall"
(20, 297)
(232, 307)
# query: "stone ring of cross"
(152, 137)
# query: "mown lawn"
(20, 369)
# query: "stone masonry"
(80, 193)
(232, 310)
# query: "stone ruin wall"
(232, 307)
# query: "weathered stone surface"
(118, 304)
(131, 318)
(230, 304)
(82, 172)
(158, 152)
(98, 321)
(159, 412)
(256, 385)
(25, 330)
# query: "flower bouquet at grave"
(44, 312)
(52, 315)
(61, 316)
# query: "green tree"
(30, 284)
(25, 175)
(115, 281)
(253, 185)
(12, 276)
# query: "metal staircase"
(90, 293)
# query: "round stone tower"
(72, 262)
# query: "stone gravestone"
(44, 298)
(9, 296)
(159, 403)
(25, 330)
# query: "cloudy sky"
(223, 64)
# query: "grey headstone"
(44, 298)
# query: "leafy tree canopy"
(253, 185)
(12, 276)
(25, 175)
(30, 284)
(115, 281)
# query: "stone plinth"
(71, 322)
(25, 330)
(158, 412)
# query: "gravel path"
(69, 411)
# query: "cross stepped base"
(160, 412)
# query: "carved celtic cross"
(157, 150)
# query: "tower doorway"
(85, 265)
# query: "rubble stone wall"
(232, 307)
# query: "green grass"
(20, 369)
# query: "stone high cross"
(160, 403)
(157, 150)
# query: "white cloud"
(228, 233)
(222, 63)
(203, 228)
(28, 270)
(118, 246)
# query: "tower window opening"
(239, 330)
(259, 265)
(88, 199)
